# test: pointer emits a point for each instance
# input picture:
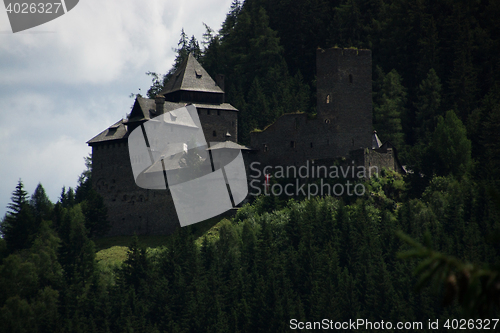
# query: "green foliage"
(84, 181)
(19, 226)
(428, 105)
(476, 288)
(390, 110)
(311, 259)
(96, 214)
(450, 146)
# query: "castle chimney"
(160, 101)
(219, 78)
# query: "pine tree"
(450, 147)
(428, 105)
(18, 227)
(391, 109)
(41, 204)
(84, 181)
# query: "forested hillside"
(413, 248)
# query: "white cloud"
(67, 80)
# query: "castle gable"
(117, 131)
(191, 76)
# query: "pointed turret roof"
(190, 76)
(376, 143)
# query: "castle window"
(208, 111)
(214, 133)
(350, 78)
(328, 99)
(218, 112)
(327, 121)
(111, 131)
(292, 144)
(266, 148)
(311, 144)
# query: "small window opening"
(266, 148)
(208, 111)
(350, 78)
(328, 99)
(292, 144)
(218, 112)
(214, 133)
(311, 144)
(327, 121)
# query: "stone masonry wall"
(131, 209)
(220, 121)
(344, 95)
(344, 114)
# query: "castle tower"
(344, 96)
(132, 209)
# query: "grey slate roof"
(144, 109)
(223, 106)
(228, 145)
(115, 132)
(191, 76)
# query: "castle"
(341, 128)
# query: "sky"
(65, 81)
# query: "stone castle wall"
(344, 119)
(341, 128)
(218, 122)
(131, 209)
(344, 96)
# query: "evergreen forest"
(413, 248)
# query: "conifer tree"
(18, 227)
(391, 110)
(428, 105)
(450, 147)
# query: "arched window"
(328, 99)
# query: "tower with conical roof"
(132, 209)
(191, 83)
